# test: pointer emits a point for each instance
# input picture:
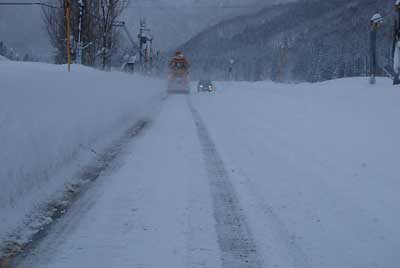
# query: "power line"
(131, 4)
(28, 4)
(185, 7)
(191, 7)
(139, 6)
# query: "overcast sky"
(172, 21)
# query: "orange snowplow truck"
(179, 74)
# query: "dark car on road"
(205, 86)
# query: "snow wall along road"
(50, 118)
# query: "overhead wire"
(131, 5)
(28, 4)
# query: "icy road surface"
(270, 176)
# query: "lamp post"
(375, 21)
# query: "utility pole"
(151, 59)
(144, 37)
(396, 46)
(68, 20)
(231, 63)
(142, 41)
(282, 61)
(375, 21)
(79, 45)
(135, 47)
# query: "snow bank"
(2, 58)
(49, 118)
(321, 161)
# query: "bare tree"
(55, 22)
(90, 30)
(110, 10)
(97, 28)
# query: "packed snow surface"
(316, 166)
(50, 118)
(253, 175)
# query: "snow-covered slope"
(322, 40)
(2, 58)
(49, 119)
(186, 18)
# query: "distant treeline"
(309, 40)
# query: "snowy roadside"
(266, 174)
(316, 166)
(155, 210)
(51, 125)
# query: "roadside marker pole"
(79, 49)
(396, 43)
(68, 20)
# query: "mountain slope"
(301, 41)
(175, 23)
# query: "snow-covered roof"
(132, 59)
(377, 18)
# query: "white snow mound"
(49, 118)
(2, 58)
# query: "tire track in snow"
(236, 242)
(78, 203)
(281, 236)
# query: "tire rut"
(73, 194)
(235, 240)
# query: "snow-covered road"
(264, 177)
(156, 210)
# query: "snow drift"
(49, 118)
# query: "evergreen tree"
(3, 49)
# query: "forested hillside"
(302, 41)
